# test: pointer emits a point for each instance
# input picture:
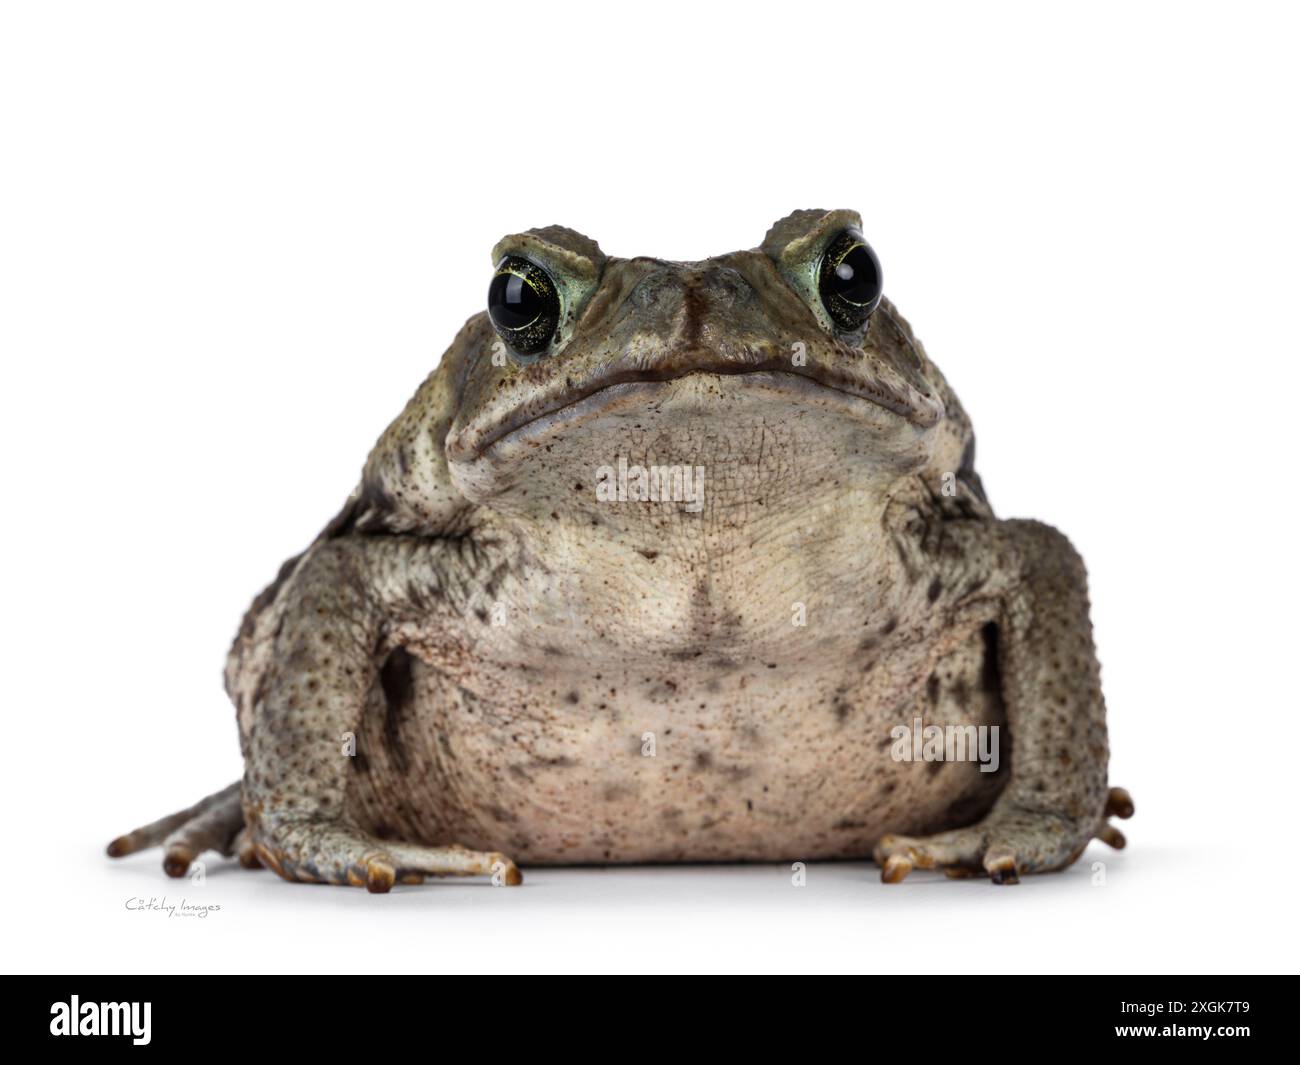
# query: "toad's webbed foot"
(1119, 803)
(306, 850)
(335, 853)
(1010, 842)
(214, 823)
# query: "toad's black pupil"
(849, 281)
(857, 277)
(513, 302)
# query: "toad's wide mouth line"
(923, 414)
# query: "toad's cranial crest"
(652, 568)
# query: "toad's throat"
(923, 410)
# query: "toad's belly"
(627, 769)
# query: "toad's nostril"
(719, 286)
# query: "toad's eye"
(849, 281)
(523, 305)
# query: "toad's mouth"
(860, 393)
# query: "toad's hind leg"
(323, 672)
(1056, 799)
(213, 823)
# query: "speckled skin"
(530, 670)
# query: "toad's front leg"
(1056, 799)
(343, 600)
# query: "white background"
(236, 236)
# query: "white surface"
(234, 238)
(671, 919)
